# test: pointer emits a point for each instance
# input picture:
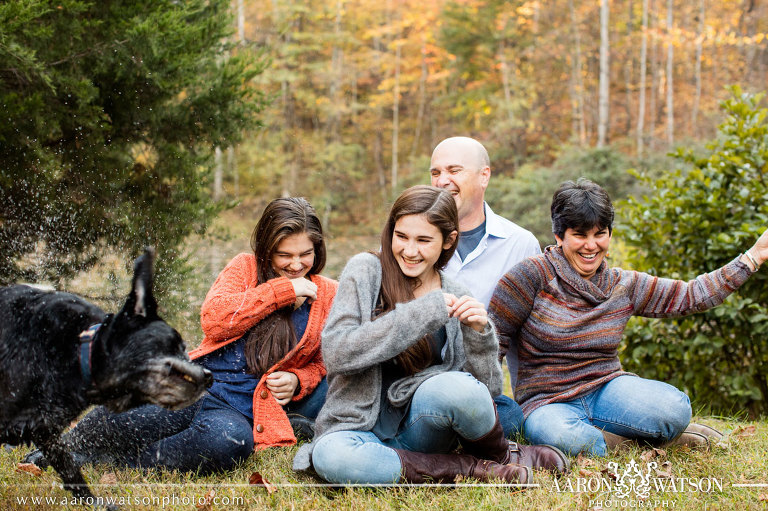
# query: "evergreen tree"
(109, 115)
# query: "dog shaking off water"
(59, 354)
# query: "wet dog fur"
(135, 358)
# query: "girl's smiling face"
(294, 256)
(416, 245)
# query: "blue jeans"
(444, 407)
(510, 415)
(629, 406)
(205, 437)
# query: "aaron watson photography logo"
(636, 485)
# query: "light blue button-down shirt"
(504, 245)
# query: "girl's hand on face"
(470, 312)
(304, 288)
(282, 385)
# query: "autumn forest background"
(173, 123)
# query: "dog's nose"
(208, 377)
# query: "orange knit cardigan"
(233, 305)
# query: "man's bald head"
(469, 146)
(461, 165)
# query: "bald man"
(489, 245)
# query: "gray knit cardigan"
(354, 348)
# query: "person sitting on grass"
(412, 366)
(262, 320)
(566, 311)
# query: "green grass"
(740, 459)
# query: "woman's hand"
(282, 385)
(759, 250)
(468, 310)
(304, 289)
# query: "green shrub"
(694, 221)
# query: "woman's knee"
(676, 416)
(570, 433)
(355, 457)
(457, 392)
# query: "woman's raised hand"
(282, 385)
(468, 310)
(759, 250)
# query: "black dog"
(59, 354)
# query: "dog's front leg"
(61, 460)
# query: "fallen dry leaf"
(584, 462)
(108, 478)
(207, 501)
(257, 479)
(587, 473)
(763, 497)
(743, 431)
(666, 470)
(29, 468)
(653, 453)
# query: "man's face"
(457, 168)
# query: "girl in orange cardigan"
(262, 320)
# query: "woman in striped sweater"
(565, 312)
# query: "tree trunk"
(422, 98)
(641, 99)
(670, 83)
(232, 169)
(578, 128)
(603, 93)
(241, 21)
(653, 107)
(337, 56)
(218, 174)
(505, 83)
(697, 69)
(395, 120)
(629, 63)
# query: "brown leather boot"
(419, 467)
(697, 436)
(494, 446)
(616, 442)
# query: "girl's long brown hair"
(273, 337)
(439, 208)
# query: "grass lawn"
(734, 475)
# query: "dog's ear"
(141, 301)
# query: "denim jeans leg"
(355, 457)
(310, 406)
(106, 437)
(444, 406)
(217, 439)
(634, 407)
(566, 426)
(510, 415)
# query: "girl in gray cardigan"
(412, 365)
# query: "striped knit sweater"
(568, 328)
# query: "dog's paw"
(37, 458)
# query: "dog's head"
(139, 358)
